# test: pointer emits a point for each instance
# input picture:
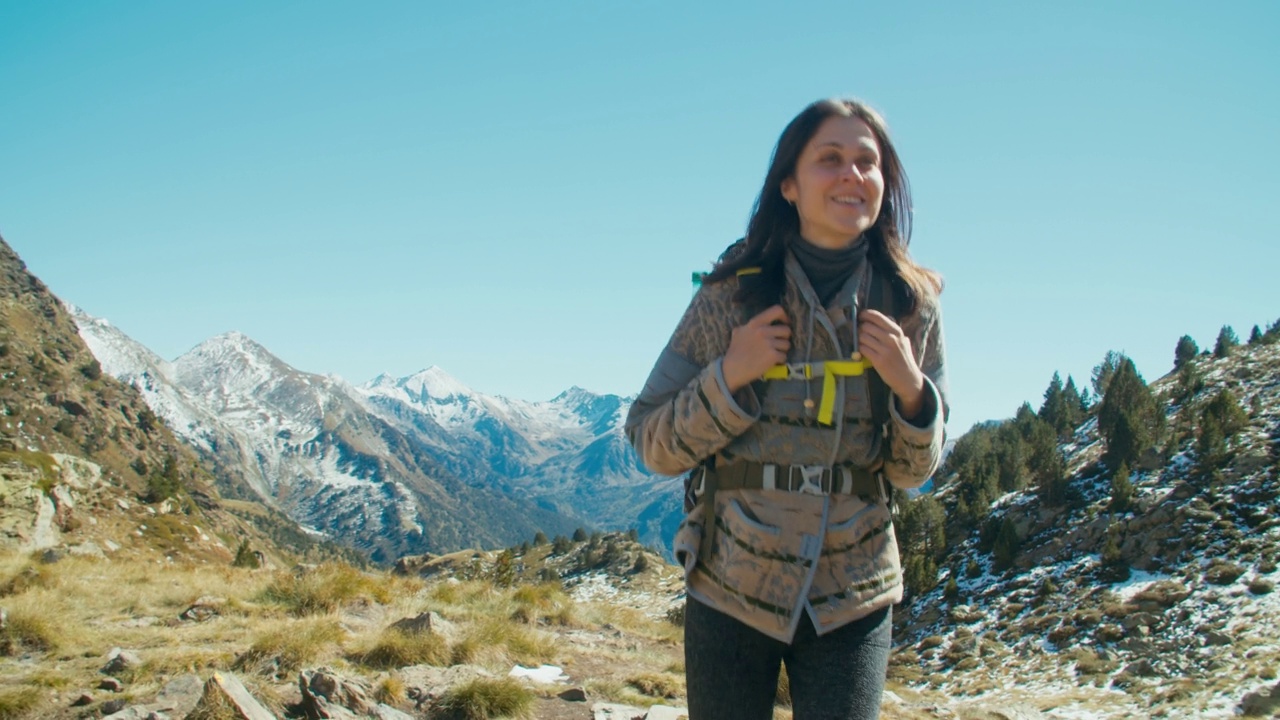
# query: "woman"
(806, 379)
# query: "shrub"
(246, 557)
(482, 699)
(1223, 573)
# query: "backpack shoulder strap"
(881, 297)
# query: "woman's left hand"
(882, 341)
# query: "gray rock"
(204, 608)
(135, 712)
(1261, 702)
(425, 681)
(229, 688)
(1141, 668)
(1215, 637)
(664, 712)
(180, 695)
(86, 549)
(111, 684)
(386, 712)
(111, 707)
(611, 711)
(575, 694)
(324, 691)
(119, 660)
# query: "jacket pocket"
(862, 533)
(754, 562)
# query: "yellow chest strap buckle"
(828, 370)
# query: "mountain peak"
(435, 382)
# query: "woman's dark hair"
(774, 221)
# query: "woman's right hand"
(755, 347)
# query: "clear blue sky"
(517, 192)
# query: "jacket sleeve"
(685, 413)
(915, 448)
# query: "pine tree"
(1077, 405)
(1057, 408)
(922, 527)
(1121, 489)
(1185, 352)
(1114, 566)
(504, 569)
(951, 592)
(1006, 547)
(540, 538)
(579, 535)
(1221, 419)
(164, 484)
(1190, 381)
(1255, 336)
(1103, 371)
(1052, 482)
(1129, 418)
(1227, 342)
(920, 574)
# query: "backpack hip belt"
(810, 479)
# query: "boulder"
(225, 692)
(1262, 702)
(574, 694)
(180, 695)
(204, 608)
(325, 693)
(120, 661)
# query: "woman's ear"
(789, 190)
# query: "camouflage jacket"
(778, 553)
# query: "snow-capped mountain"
(412, 464)
(311, 445)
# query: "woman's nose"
(851, 170)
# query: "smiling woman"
(788, 543)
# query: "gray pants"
(732, 669)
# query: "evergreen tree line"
(999, 457)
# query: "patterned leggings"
(732, 669)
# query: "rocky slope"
(1180, 623)
(85, 464)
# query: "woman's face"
(838, 185)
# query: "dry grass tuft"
(390, 690)
(324, 589)
(545, 604)
(483, 699)
(32, 575)
(660, 685)
(30, 629)
(396, 649)
(498, 641)
(18, 702)
(617, 691)
(290, 646)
